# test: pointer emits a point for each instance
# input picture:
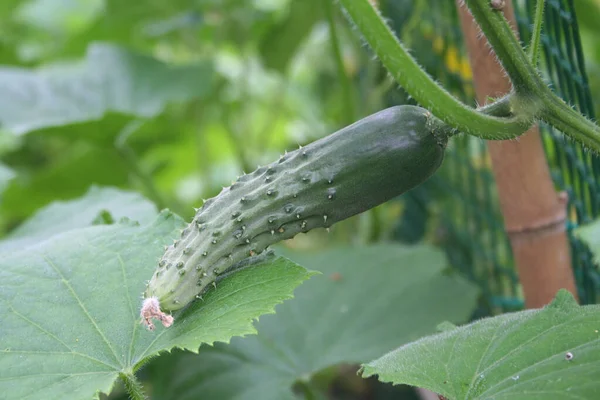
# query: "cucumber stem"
(531, 97)
(530, 89)
(422, 87)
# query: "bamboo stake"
(534, 214)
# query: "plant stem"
(534, 47)
(133, 386)
(567, 120)
(309, 391)
(499, 108)
(339, 61)
(422, 87)
(511, 55)
(526, 80)
(531, 98)
(375, 228)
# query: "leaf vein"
(75, 353)
(122, 264)
(67, 375)
(82, 306)
(36, 325)
(521, 345)
(534, 365)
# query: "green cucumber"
(348, 172)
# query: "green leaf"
(69, 177)
(367, 301)
(70, 309)
(59, 15)
(549, 353)
(109, 79)
(64, 216)
(135, 23)
(281, 42)
(590, 234)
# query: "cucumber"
(341, 175)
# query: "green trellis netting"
(462, 199)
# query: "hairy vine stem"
(527, 81)
(530, 100)
(422, 87)
(569, 121)
(133, 386)
(507, 48)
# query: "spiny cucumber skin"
(346, 173)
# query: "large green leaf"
(109, 79)
(280, 43)
(68, 215)
(68, 178)
(70, 309)
(549, 353)
(367, 302)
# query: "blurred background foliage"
(177, 98)
(174, 99)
